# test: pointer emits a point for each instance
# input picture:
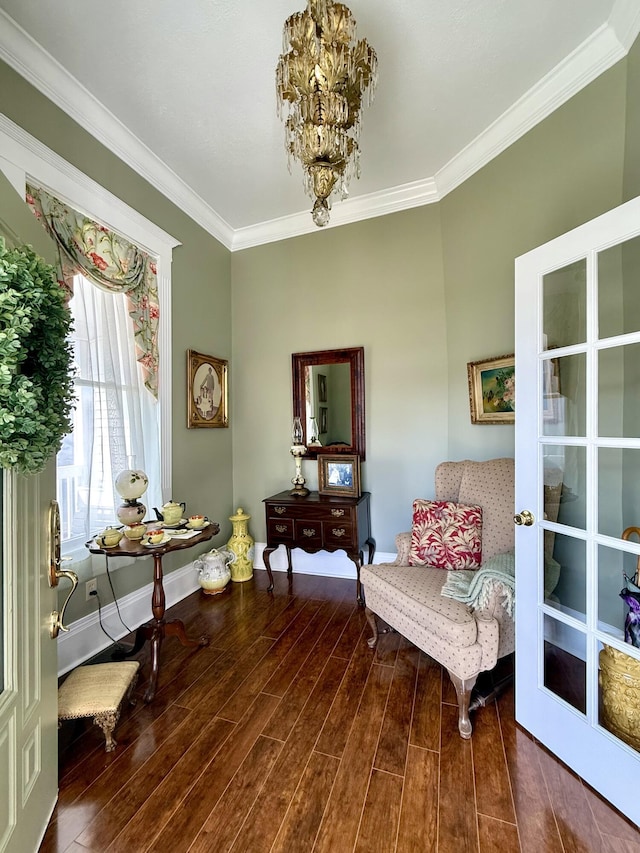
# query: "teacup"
(155, 536)
(135, 531)
(197, 521)
(109, 537)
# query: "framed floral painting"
(206, 391)
(492, 396)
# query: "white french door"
(29, 698)
(578, 473)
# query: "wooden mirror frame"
(355, 358)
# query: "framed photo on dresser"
(339, 475)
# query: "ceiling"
(185, 93)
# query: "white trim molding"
(322, 564)
(596, 54)
(86, 638)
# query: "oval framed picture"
(206, 391)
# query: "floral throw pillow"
(446, 535)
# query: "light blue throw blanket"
(476, 588)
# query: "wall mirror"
(328, 397)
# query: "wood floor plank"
(222, 825)
(84, 757)
(157, 807)
(534, 812)
(418, 831)
(224, 677)
(300, 689)
(381, 814)
(284, 650)
(352, 637)
(184, 824)
(612, 844)
(118, 811)
(263, 822)
(609, 820)
(340, 717)
(284, 618)
(425, 724)
(496, 836)
(281, 679)
(300, 826)
(99, 781)
(394, 738)
(493, 789)
(339, 827)
(576, 824)
(457, 821)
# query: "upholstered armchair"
(465, 639)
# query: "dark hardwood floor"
(288, 734)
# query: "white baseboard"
(86, 638)
(331, 565)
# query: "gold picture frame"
(492, 390)
(339, 475)
(206, 391)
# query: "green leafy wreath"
(36, 381)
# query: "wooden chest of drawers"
(319, 523)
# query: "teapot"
(171, 512)
(213, 570)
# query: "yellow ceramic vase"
(242, 545)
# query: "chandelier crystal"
(322, 77)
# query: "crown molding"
(595, 55)
(403, 197)
(590, 59)
(625, 21)
(20, 51)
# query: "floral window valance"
(112, 262)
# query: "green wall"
(200, 315)
(376, 284)
(424, 291)
(562, 173)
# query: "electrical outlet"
(91, 586)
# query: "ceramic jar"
(213, 570)
(242, 546)
(619, 679)
(131, 512)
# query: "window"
(116, 423)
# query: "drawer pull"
(337, 512)
(338, 532)
(280, 509)
(281, 528)
(308, 531)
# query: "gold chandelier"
(321, 78)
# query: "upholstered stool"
(98, 691)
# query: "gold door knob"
(524, 518)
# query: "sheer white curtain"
(116, 420)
